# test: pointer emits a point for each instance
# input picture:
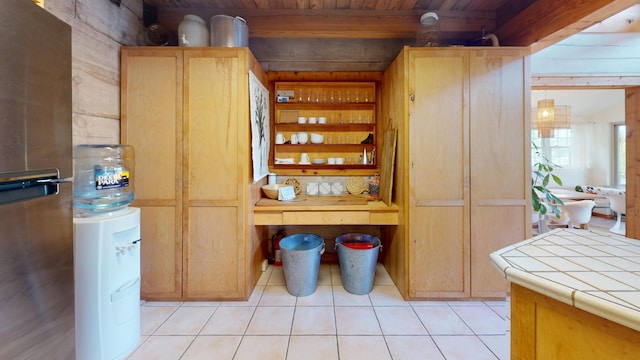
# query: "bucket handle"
(322, 250)
(238, 18)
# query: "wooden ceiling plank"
(303, 4)
(550, 18)
(315, 4)
(356, 4)
(262, 4)
(329, 4)
(290, 4)
(382, 5)
(395, 4)
(447, 5)
(408, 5)
(342, 5)
(369, 4)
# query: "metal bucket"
(301, 260)
(358, 263)
(228, 31)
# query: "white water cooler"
(107, 284)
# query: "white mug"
(302, 120)
(294, 139)
(279, 138)
(313, 120)
(340, 161)
(322, 120)
(331, 161)
(304, 158)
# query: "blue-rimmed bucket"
(301, 261)
(358, 255)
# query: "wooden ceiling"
(366, 35)
(515, 22)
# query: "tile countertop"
(598, 272)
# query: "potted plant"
(542, 175)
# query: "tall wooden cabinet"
(462, 177)
(186, 113)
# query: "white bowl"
(303, 137)
(317, 138)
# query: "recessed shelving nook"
(342, 113)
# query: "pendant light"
(550, 117)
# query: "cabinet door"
(499, 139)
(151, 121)
(438, 189)
(215, 132)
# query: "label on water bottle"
(110, 177)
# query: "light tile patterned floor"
(330, 324)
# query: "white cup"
(339, 161)
(279, 138)
(313, 120)
(331, 161)
(294, 139)
(304, 158)
(322, 120)
(302, 120)
(303, 137)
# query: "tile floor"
(330, 324)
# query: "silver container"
(228, 31)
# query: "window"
(619, 154)
(556, 149)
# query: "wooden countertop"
(598, 272)
(325, 210)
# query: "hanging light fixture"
(550, 117)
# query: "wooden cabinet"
(343, 113)
(462, 176)
(186, 113)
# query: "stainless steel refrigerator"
(36, 221)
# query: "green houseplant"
(542, 176)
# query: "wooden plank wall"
(99, 28)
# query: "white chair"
(618, 203)
(572, 214)
(579, 212)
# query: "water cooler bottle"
(106, 247)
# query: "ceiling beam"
(590, 81)
(545, 22)
(339, 24)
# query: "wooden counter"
(325, 210)
(574, 294)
